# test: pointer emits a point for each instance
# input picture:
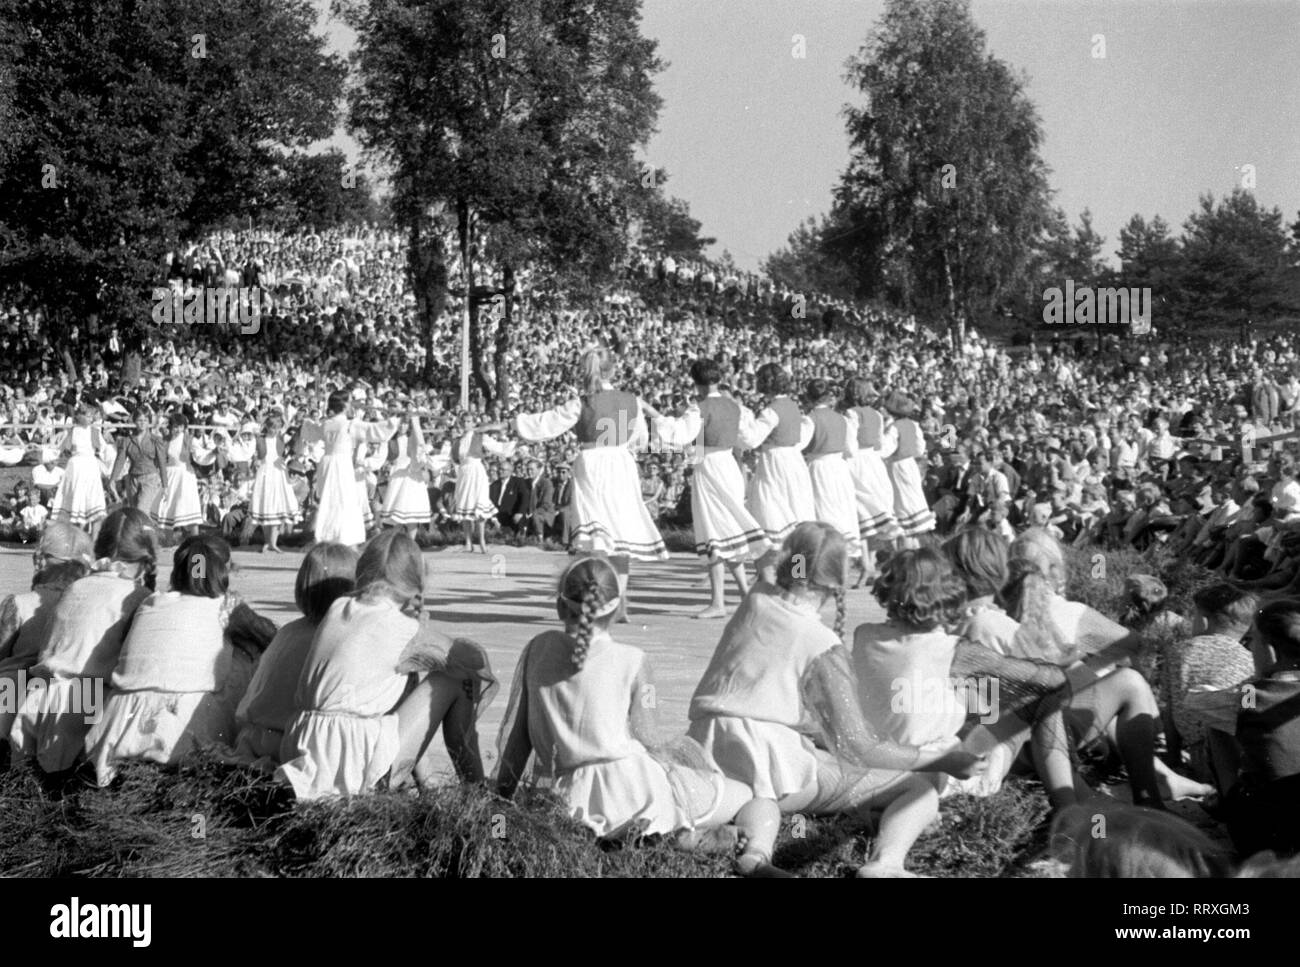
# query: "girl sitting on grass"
(910, 694)
(359, 716)
(183, 667)
(327, 573)
(779, 671)
(585, 704)
(81, 647)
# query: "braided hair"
(586, 588)
(815, 555)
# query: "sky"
(1189, 95)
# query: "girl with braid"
(778, 677)
(584, 704)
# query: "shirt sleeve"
(497, 448)
(363, 432)
(536, 427)
(806, 428)
(755, 429)
(679, 431)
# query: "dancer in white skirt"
(910, 507)
(274, 504)
(780, 492)
(829, 453)
(406, 501)
(876, 440)
(606, 508)
(726, 534)
(340, 510)
(471, 503)
(179, 506)
(79, 498)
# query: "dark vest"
(787, 430)
(720, 422)
(475, 448)
(871, 427)
(607, 418)
(830, 433)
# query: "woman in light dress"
(472, 501)
(780, 493)
(876, 441)
(179, 507)
(577, 707)
(910, 507)
(79, 498)
(830, 449)
(606, 508)
(406, 501)
(362, 714)
(341, 499)
(273, 505)
(183, 667)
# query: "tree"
(945, 192)
(806, 264)
(1236, 262)
(513, 121)
(667, 227)
(131, 124)
(1150, 258)
(323, 190)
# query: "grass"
(208, 819)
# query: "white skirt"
(179, 506)
(608, 513)
(472, 499)
(337, 754)
(406, 501)
(53, 720)
(834, 499)
(724, 529)
(875, 496)
(780, 492)
(79, 498)
(340, 513)
(913, 513)
(636, 792)
(772, 759)
(161, 727)
(273, 501)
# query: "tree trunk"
(428, 274)
(500, 364)
(476, 354)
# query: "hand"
(961, 764)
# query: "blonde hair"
(586, 587)
(1119, 841)
(595, 367)
(391, 566)
(1036, 573)
(815, 555)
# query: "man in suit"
(541, 500)
(560, 529)
(512, 502)
(953, 487)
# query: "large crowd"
(801, 432)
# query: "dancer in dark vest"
(726, 535)
(472, 504)
(876, 439)
(828, 454)
(780, 492)
(608, 515)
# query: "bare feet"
(718, 839)
(882, 871)
(1174, 787)
(711, 612)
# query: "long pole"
(464, 322)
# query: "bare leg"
(914, 807)
(482, 536)
(1125, 698)
(717, 585)
(439, 700)
(622, 565)
(468, 527)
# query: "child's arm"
(246, 629)
(518, 745)
(641, 712)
